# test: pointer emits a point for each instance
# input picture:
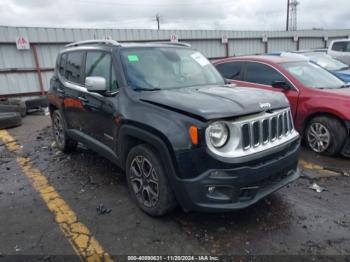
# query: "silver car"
(340, 49)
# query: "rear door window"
(230, 70)
(261, 74)
(73, 71)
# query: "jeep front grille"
(256, 133)
(264, 130)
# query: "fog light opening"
(218, 174)
(211, 189)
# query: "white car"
(340, 49)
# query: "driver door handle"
(83, 99)
(60, 91)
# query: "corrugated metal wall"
(307, 43)
(10, 57)
(281, 44)
(20, 74)
(246, 47)
(47, 54)
(210, 48)
(15, 83)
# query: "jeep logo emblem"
(264, 105)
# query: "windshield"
(167, 67)
(326, 61)
(311, 75)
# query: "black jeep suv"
(163, 114)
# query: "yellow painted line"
(78, 235)
(309, 165)
(312, 166)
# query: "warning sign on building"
(22, 43)
(224, 39)
(174, 38)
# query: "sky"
(174, 14)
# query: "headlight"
(218, 134)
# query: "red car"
(320, 102)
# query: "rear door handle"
(83, 99)
(60, 92)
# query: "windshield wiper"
(345, 86)
(139, 88)
(147, 89)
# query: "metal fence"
(27, 72)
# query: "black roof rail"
(89, 42)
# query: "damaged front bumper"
(239, 187)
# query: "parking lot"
(67, 204)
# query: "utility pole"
(158, 20)
(287, 22)
(292, 22)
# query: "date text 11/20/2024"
(173, 258)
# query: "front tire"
(147, 181)
(63, 142)
(325, 135)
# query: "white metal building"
(28, 71)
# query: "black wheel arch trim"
(166, 154)
(149, 136)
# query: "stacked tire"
(11, 113)
(13, 105)
(10, 119)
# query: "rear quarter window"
(230, 70)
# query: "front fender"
(318, 106)
(165, 153)
(155, 139)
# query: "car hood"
(337, 93)
(213, 102)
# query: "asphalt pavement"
(54, 204)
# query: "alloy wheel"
(58, 130)
(144, 181)
(318, 137)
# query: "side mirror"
(281, 85)
(227, 81)
(95, 84)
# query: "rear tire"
(147, 181)
(63, 142)
(325, 135)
